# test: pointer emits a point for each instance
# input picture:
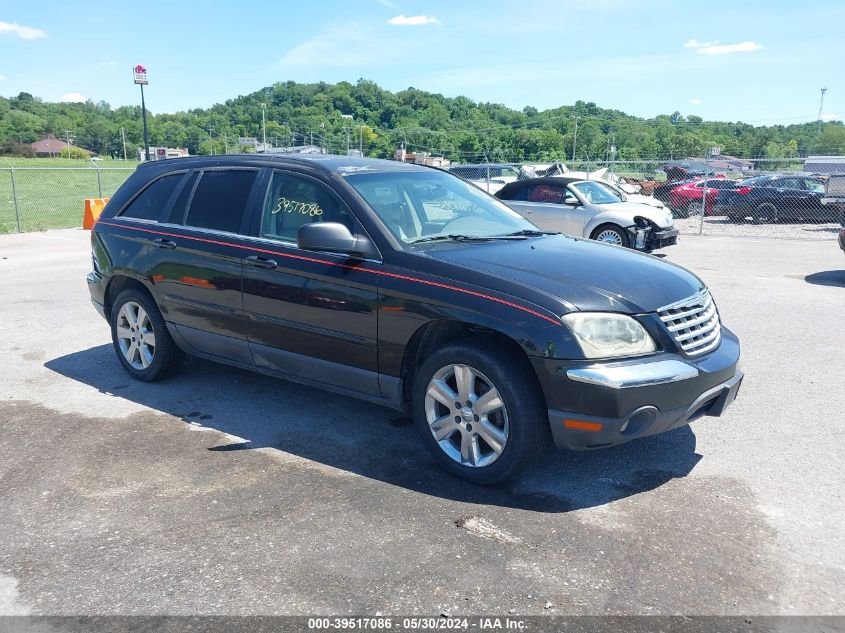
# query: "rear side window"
(152, 201)
(220, 200)
(180, 205)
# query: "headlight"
(608, 335)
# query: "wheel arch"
(437, 333)
(117, 284)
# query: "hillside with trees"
(461, 129)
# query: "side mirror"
(333, 237)
(572, 203)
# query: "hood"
(639, 198)
(587, 274)
(661, 217)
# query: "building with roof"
(825, 164)
(52, 147)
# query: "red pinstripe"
(330, 263)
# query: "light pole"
(210, 142)
(264, 125)
(575, 139)
(821, 107)
(123, 136)
(67, 136)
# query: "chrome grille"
(693, 323)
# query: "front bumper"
(594, 405)
(661, 239)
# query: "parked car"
(633, 197)
(406, 286)
(685, 199)
(589, 208)
(777, 198)
(834, 198)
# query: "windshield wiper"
(451, 237)
(530, 233)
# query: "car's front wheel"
(140, 337)
(611, 234)
(480, 414)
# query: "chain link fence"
(718, 196)
(40, 198)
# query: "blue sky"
(761, 62)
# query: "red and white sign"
(140, 75)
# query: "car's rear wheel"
(480, 415)
(611, 234)
(765, 212)
(140, 337)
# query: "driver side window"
(293, 201)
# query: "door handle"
(261, 262)
(163, 243)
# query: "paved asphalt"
(225, 492)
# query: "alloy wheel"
(466, 415)
(609, 236)
(135, 335)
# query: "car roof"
(343, 165)
(544, 180)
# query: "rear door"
(310, 315)
(543, 204)
(199, 271)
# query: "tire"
(517, 430)
(765, 212)
(693, 209)
(146, 350)
(612, 233)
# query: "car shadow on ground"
(827, 278)
(375, 442)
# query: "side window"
(552, 194)
(220, 199)
(150, 204)
(789, 183)
(293, 201)
(816, 186)
(180, 205)
(570, 197)
(520, 194)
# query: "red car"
(685, 199)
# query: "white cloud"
(830, 116)
(389, 4)
(73, 97)
(715, 48)
(413, 20)
(695, 101)
(23, 32)
(697, 44)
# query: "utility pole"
(347, 140)
(361, 140)
(312, 137)
(210, 142)
(575, 139)
(67, 137)
(123, 136)
(821, 107)
(264, 125)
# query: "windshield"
(415, 205)
(595, 192)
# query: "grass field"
(51, 192)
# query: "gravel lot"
(225, 492)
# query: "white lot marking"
(485, 529)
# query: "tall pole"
(347, 140)
(575, 139)
(144, 115)
(821, 107)
(67, 137)
(361, 140)
(210, 142)
(123, 136)
(264, 125)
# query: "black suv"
(408, 287)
